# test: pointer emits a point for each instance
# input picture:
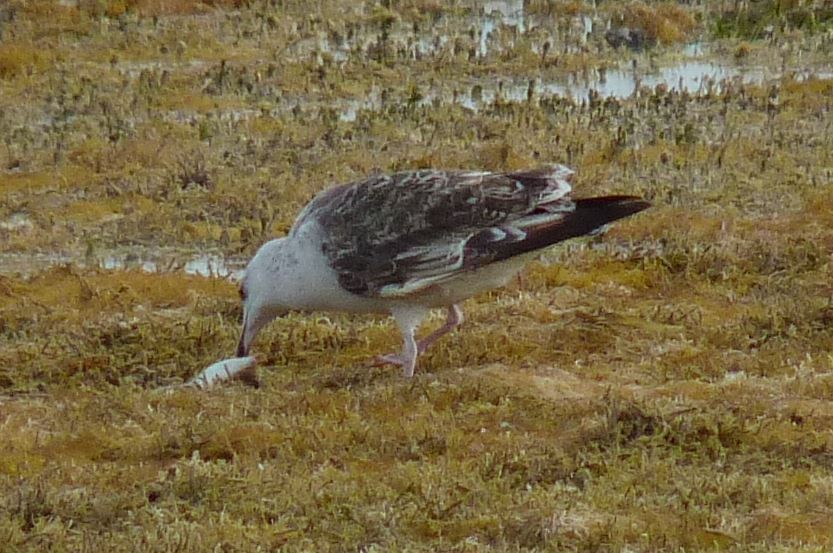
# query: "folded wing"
(395, 235)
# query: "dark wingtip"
(631, 204)
(596, 212)
(589, 217)
(593, 214)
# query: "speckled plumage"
(391, 235)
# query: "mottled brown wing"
(393, 235)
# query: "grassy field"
(663, 387)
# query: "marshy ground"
(664, 387)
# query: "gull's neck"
(302, 279)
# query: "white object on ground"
(223, 370)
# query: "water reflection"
(695, 76)
(207, 265)
(211, 265)
(509, 13)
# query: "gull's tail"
(588, 216)
(591, 214)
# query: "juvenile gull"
(411, 241)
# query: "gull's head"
(261, 292)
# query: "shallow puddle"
(206, 265)
(695, 76)
(509, 13)
(419, 41)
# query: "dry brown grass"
(19, 59)
(663, 387)
(664, 22)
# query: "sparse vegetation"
(663, 22)
(761, 19)
(663, 387)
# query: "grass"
(757, 20)
(662, 22)
(663, 387)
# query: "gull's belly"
(472, 283)
(323, 292)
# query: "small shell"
(220, 371)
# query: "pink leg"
(455, 319)
(408, 320)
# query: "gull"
(408, 242)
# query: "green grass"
(664, 387)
